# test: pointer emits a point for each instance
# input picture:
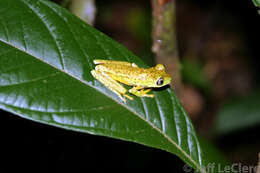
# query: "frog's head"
(161, 78)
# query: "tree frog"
(110, 73)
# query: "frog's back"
(126, 74)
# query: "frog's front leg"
(111, 84)
(140, 92)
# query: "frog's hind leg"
(140, 92)
(111, 84)
(101, 61)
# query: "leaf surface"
(46, 55)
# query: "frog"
(112, 72)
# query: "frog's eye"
(159, 81)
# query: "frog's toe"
(148, 95)
(146, 91)
(129, 97)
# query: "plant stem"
(164, 39)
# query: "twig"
(164, 39)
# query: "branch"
(164, 39)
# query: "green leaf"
(239, 113)
(256, 2)
(46, 55)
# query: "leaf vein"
(174, 118)
(194, 136)
(5, 29)
(23, 33)
(161, 114)
(34, 10)
(71, 31)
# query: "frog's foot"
(140, 93)
(143, 92)
(111, 84)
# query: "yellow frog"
(111, 72)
